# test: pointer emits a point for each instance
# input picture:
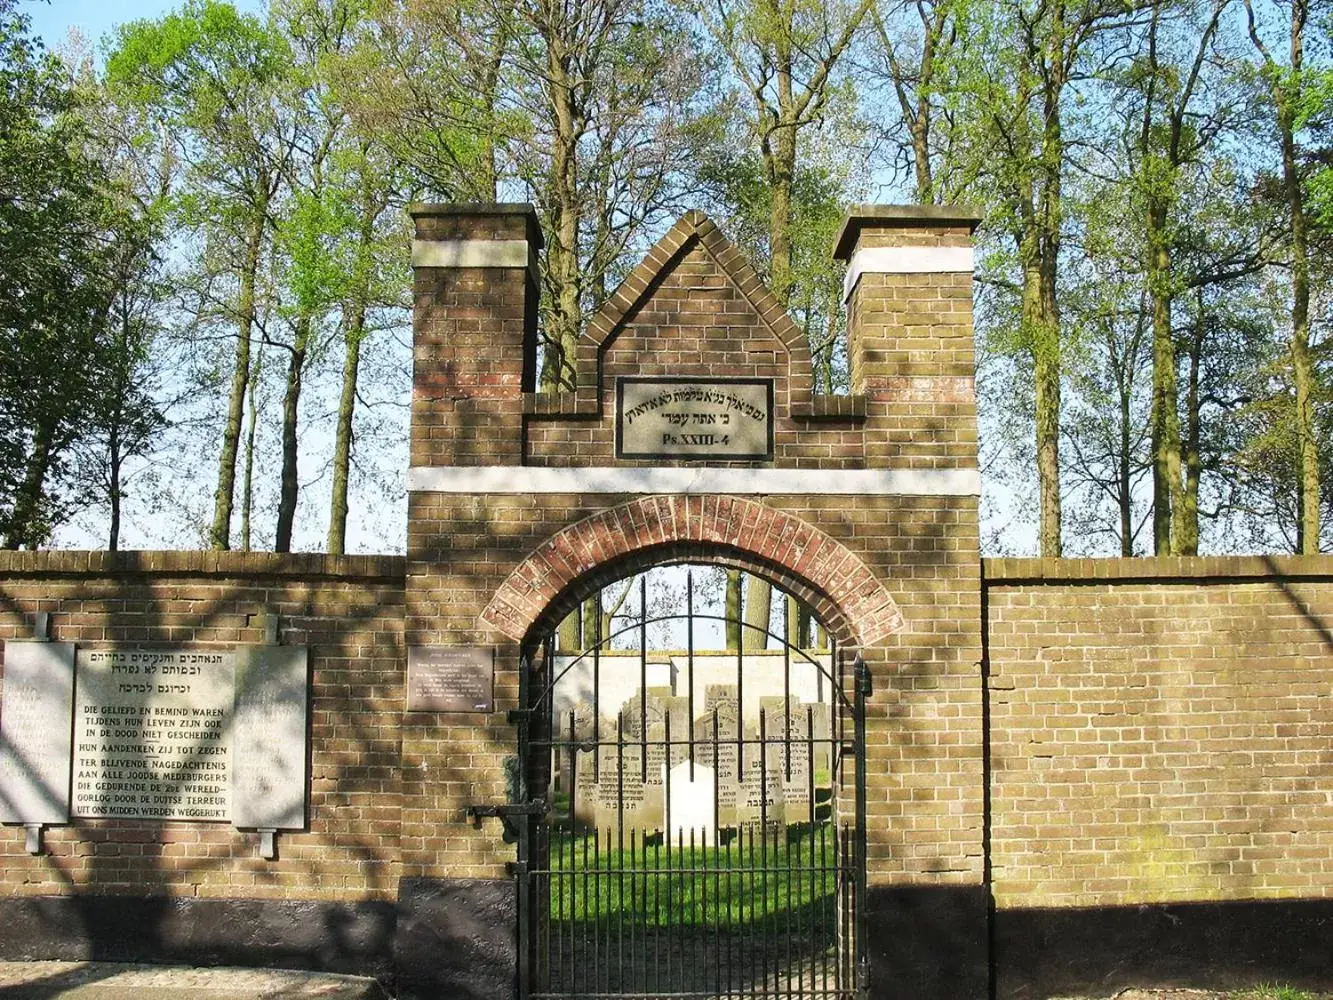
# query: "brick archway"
(822, 571)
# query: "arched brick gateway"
(845, 588)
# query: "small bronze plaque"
(450, 678)
(715, 419)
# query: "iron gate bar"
(583, 888)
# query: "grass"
(744, 883)
(1267, 992)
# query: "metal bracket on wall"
(41, 626)
(32, 838)
(268, 848)
(271, 629)
(508, 814)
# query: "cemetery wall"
(1077, 770)
(122, 888)
(1161, 766)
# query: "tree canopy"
(204, 334)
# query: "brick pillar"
(910, 348)
(909, 323)
(474, 331)
(474, 355)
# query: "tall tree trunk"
(25, 528)
(800, 622)
(1165, 416)
(291, 401)
(114, 461)
(354, 331)
(248, 482)
(1124, 484)
(758, 601)
(343, 436)
(562, 256)
(1187, 530)
(732, 608)
(220, 534)
(1043, 333)
(782, 170)
(1302, 368)
(1286, 87)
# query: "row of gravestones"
(710, 786)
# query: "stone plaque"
(450, 679)
(152, 734)
(701, 418)
(36, 717)
(268, 784)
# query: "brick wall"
(1160, 730)
(347, 610)
(473, 339)
(694, 309)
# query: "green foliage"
(200, 64)
(61, 227)
(1276, 992)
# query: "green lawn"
(744, 883)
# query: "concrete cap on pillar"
(480, 210)
(860, 217)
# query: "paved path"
(116, 981)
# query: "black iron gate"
(717, 855)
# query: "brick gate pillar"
(911, 358)
(474, 333)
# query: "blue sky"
(95, 18)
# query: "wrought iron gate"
(717, 855)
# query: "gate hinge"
(863, 976)
(508, 813)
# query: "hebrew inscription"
(705, 418)
(152, 733)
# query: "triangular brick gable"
(694, 229)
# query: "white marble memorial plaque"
(700, 418)
(35, 723)
(268, 782)
(152, 733)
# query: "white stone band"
(470, 253)
(905, 260)
(511, 479)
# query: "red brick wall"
(693, 309)
(348, 611)
(1161, 729)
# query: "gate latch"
(508, 814)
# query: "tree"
(783, 57)
(209, 77)
(1023, 61)
(915, 54)
(60, 226)
(1288, 89)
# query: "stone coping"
(1183, 568)
(901, 216)
(203, 563)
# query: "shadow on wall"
(1283, 582)
(164, 891)
(1043, 953)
